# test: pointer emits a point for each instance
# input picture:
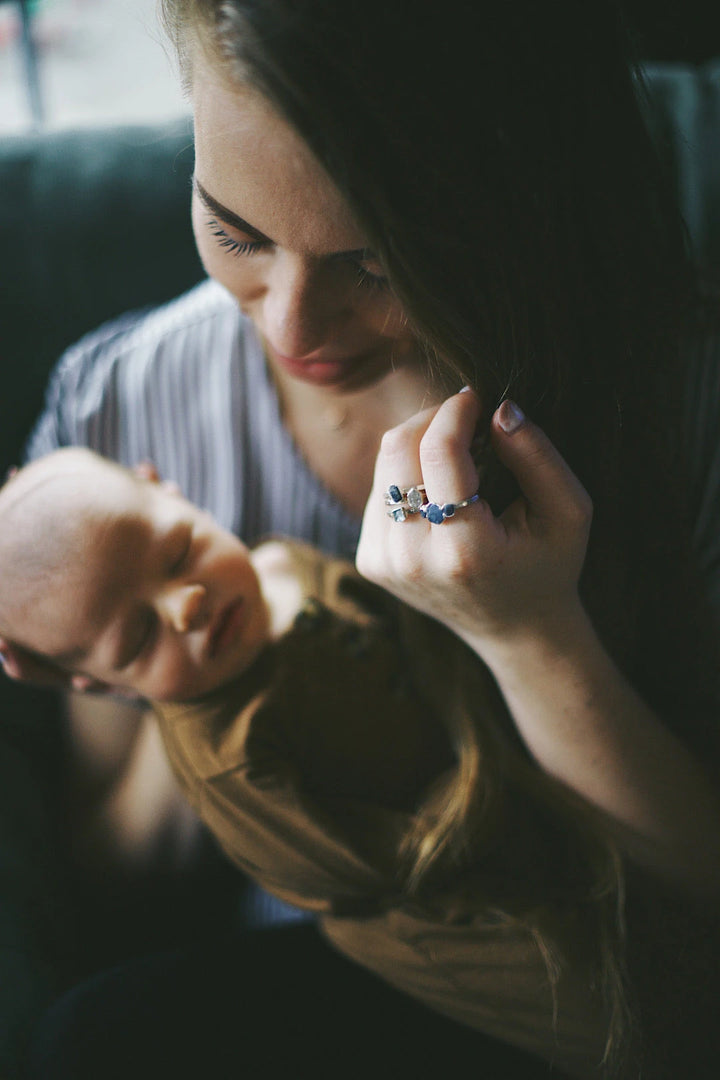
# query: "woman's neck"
(338, 432)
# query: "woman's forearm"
(586, 726)
(508, 586)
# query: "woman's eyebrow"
(227, 215)
(230, 218)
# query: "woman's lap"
(276, 1002)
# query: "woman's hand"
(490, 579)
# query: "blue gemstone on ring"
(395, 493)
(449, 510)
(434, 513)
(398, 515)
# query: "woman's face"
(272, 228)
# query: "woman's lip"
(226, 627)
(317, 369)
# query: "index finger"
(449, 472)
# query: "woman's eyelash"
(234, 247)
(365, 278)
(368, 280)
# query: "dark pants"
(276, 1002)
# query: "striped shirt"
(186, 387)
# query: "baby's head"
(118, 578)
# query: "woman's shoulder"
(205, 310)
(132, 371)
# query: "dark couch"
(93, 223)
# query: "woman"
(404, 206)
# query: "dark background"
(683, 30)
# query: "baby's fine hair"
(40, 527)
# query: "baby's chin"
(207, 688)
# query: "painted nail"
(510, 416)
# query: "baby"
(116, 579)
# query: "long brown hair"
(496, 158)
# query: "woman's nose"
(183, 606)
(302, 306)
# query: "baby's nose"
(185, 607)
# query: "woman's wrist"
(563, 631)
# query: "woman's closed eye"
(370, 274)
(369, 278)
(232, 245)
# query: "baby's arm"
(127, 811)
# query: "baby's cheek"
(171, 677)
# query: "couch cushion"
(92, 223)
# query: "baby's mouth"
(225, 627)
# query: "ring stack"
(401, 502)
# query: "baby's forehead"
(62, 496)
(66, 473)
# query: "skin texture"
(337, 343)
(150, 595)
(311, 296)
(509, 587)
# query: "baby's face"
(160, 600)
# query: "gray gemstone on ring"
(414, 498)
(398, 515)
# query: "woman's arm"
(508, 586)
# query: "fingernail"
(464, 389)
(510, 416)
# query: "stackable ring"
(436, 513)
(401, 502)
